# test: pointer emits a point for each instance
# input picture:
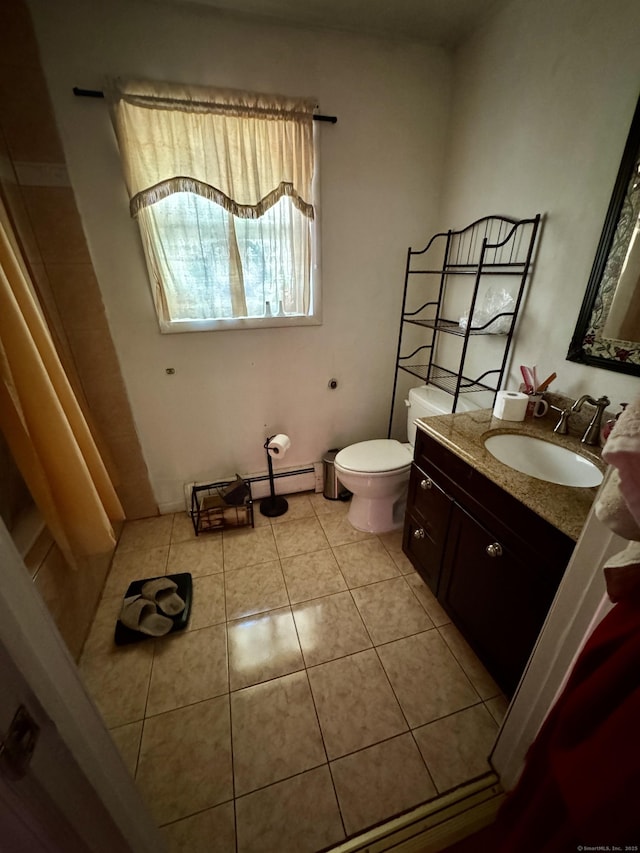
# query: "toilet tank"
(426, 401)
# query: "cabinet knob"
(419, 533)
(426, 483)
(494, 550)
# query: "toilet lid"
(371, 457)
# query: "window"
(222, 184)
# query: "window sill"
(181, 326)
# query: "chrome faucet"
(592, 432)
(562, 427)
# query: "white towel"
(622, 450)
(611, 508)
(618, 505)
(622, 572)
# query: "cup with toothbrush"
(537, 407)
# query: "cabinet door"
(426, 525)
(497, 597)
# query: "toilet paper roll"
(279, 445)
(510, 405)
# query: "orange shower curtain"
(42, 422)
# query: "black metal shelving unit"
(492, 249)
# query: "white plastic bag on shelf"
(493, 303)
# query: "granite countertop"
(566, 507)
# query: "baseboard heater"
(307, 479)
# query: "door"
(29, 819)
(75, 794)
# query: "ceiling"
(442, 22)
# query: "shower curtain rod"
(96, 93)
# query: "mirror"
(607, 333)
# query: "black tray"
(123, 635)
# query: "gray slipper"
(162, 591)
(140, 614)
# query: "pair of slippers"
(151, 610)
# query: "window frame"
(314, 318)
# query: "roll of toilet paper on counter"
(510, 405)
(279, 445)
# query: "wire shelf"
(467, 269)
(447, 380)
(450, 327)
(419, 370)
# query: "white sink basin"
(543, 460)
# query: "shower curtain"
(42, 422)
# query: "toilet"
(377, 471)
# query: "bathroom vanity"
(491, 543)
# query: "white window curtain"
(221, 183)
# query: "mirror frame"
(592, 315)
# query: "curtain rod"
(96, 93)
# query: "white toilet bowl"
(377, 472)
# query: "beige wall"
(43, 206)
(381, 168)
(543, 99)
(38, 194)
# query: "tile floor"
(318, 689)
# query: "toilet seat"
(379, 456)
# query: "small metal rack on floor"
(216, 506)
(450, 276)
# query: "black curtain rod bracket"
(96, 93)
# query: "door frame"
(580, 603)
(87, 782)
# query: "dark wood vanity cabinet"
(493, 563)
(426, 525)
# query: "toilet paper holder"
(274, 505)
